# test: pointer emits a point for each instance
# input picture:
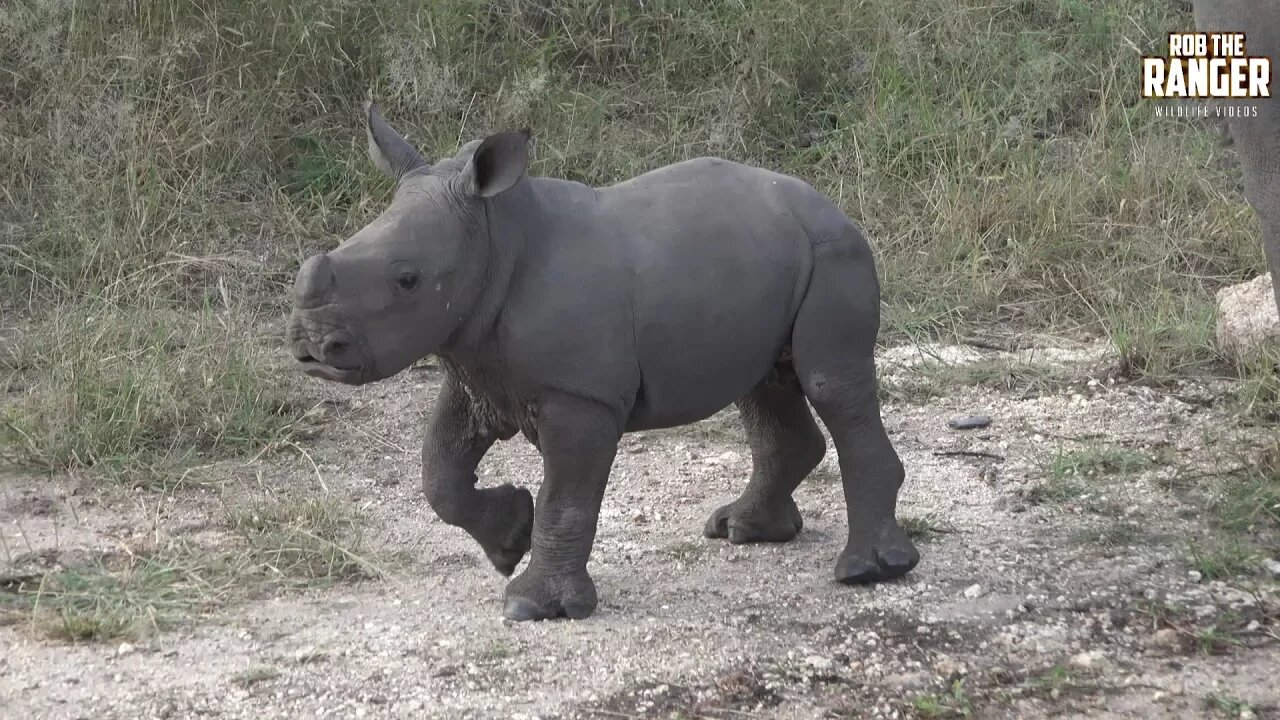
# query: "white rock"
(1247, 317)
(1166, 637)
(1087, 660)
(1194, 576)
(973, 591)
(124, 649)
(818, 662)
(949, 667)
(1272, 566)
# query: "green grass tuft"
(924, 527)
(140, 393)
(1223, 561)
(954, 704)
(113, 599)
(1098, 460)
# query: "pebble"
(973, 591)
(1166, 637)
(949, 667)
(1087, 660)
(818, 662)
(1272, 566)
(970, 422)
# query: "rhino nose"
(315, 280)
(337, 349)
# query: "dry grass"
(273, 543)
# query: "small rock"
(1247, 318)
(949, 667)
(973, 591)
(1194, 576)
(904, 680)
(1272, 566)
(124, 648)
(1088, 660)
(818, 662)
(726, 458)
(1166, 637)
(970, 422)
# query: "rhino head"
(402, 286)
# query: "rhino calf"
(574, 314)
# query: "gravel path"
(1021, 607)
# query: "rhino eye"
(407, 281)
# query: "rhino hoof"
(862, 564)
(520, 609)
(741, 524)
(537, 598)
(518, 541)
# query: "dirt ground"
(1035, 597)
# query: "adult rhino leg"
(1256, 137)
(785, 446)
(1257, 140)
(499, 518)
(578, 440)
(832, 345)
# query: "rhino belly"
(703, 343)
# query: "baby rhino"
(573, 314)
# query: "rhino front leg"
(499, 518)
(578, 439)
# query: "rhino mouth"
(347, 375)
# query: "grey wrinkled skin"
(1256, 137)
(573, 314)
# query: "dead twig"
(968, 453)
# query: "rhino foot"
(890, 555)
(537, 596)
(742, 521)
(507, 553)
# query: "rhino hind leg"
(833, 344)
(786, 446)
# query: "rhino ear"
(498, 163)
(387, 148)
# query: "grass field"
(166, 165)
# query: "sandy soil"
(1009, 590)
